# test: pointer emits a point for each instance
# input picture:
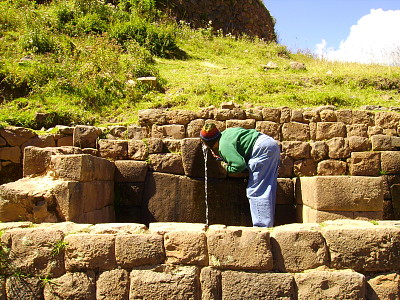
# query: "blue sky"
(303, 24)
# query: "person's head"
(210, 134)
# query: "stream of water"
(205, 154)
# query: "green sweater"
(235, 147)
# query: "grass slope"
(78, 63)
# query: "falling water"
(205, 152)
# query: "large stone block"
(137, 150)
(239, 248)
(86, 136)
(113, 285)
(390, 162)
(168, 131)
(383, 286)
(338, 148)
(130, 171)
(329, 130)
(36, 160)
(41, 141)
(360, 130)
(245, 285)
(166, 163)
(11, 153)
(22, 287)
(165, 282)
(148, 117)
(387, 119)
(296, 249)
(271, 114)
(359, 144)
(272, 129)
(365, 163)
(82, 167)
(211, 285)
(331, 167)
(307, 214)
(364, 249)
(79, 286)
(181, 117)
(16, 136)
(186, 248)
(296, 150)
(137, 132)
(113, 149)
(363, 117)
(330, 285)
(38, 252)
(173, 198)
(90, 252)
(139, 249)
(381, 142)
(319, 150)
(304, 167)
(340, 193)
(294, 131)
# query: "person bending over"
(259, 153)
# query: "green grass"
(78, 62)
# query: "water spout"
(205, 154)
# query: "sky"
(366, 31)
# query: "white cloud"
(374, 39)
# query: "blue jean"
(261, 188)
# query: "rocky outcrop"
(236, 17)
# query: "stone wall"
(159, 165)
(335, 260)
(232, 16)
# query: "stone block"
(311, 116)
(194, 127)
(76, 285)
(270, 128)
(16, 136)
(147, 117)
(296, 149)
(23, 287)
(319, 150)
(360, 130)
(68, 198)
(387, 120)
(239, 248)
(65, 141)
(181, 117)
(172, 198)
(328, 115)
(186, 248)
(113, 285)
(271, 114)
(248, 123)
(90, 252)
(285, 191)
(172, 145)
(254, 113)
(137, 132)
(390, 162)
(137, 150)
(86, 136)
(168, 131)
(139, 249)
(297, 116)
(381, 142)
(113, 149)
(246, 285)
(130, 171)
(304, 167)
(383, 286)
(154, 145)
(96, 194)
(365, 163)
(164, 227)
(296, 249)
(338, 148)
(166, 163)
(12, 154)
(330, 285)
(345, 116)
(363, 117)
(340, 193)
(373, 249)
(210, 280)
(294, 131)
(41, 141)
(359, 144)
(165, 282)
(82, 167)
(331, 167)
(38, 252)
(193, 157)
(286, 114)
(285, 168)
(329, 130)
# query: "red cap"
(210, 132)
